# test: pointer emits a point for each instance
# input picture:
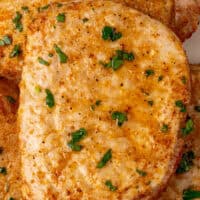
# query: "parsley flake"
(186, 162)
(197, 108)
(149, 72)
(5, 41)
(40, 9)
(181, 105)
(60, 17)
(11, 99)
(165, 128)
(16, 51)
(118, 60)
(120, 117)
(111, 187)
(62, 56)
(106, 157)
(189, 127)
(25, 8)
(190, 194)
(43, 62)
(141, 172)
(50, 102)
(17, 21)
(109, 33)
(3, 170)
(77, 136)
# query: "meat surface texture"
(113, 78)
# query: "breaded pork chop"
(10, 176)
(16, 15)
(188, 172)
(102, 99)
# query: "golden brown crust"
(10, 185)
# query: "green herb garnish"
(62, 56)
(120, 117)
(150, 102)
(3, 170)
(109, 33)
(111, 187)
(11, 99)
(11, 198)
(165, 128)
(77, 136)
(141, 172)
(160, 78)
(118, 60)
(149, 72)
(60, 17)
(50, 55)
(40, 9)
(181, 105)
(106, 157)
(16, 51)
(97, 103)
(59, 5)
(189, 127)
(5, 41)
(197, 108)
(184, 79)
(190, 194)
(25, 8)
(17, 21)
(85, 20)
(186, 162)
(43, 62)
(49, 98)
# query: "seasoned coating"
(190, 179)
(60, 93)
(187, 18)
(10, 183)
(162, 10)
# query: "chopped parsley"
(106, 157)
(111, 187)
(197, 108)
(141, 172)
(120, 117)
(11, 99)
(149, 72)
(60, 17)
(40, 9)
(50, 102)
(180, 105)
(50, 55)
(109, 33)
(77, 136)
(25, 8)
(59, 5)
(38, 89)
(11, 198)
(85, 19)
(97, 103)
(184, 79)
(62, 56)
(43, 62)
(5, 41)
(165, 128)
(3, 170)
(118, 60)
(160, 78)
(16, 51)
(189, 127)
(150, 102)
(190, 194)
(17, 21)
(186, 162)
